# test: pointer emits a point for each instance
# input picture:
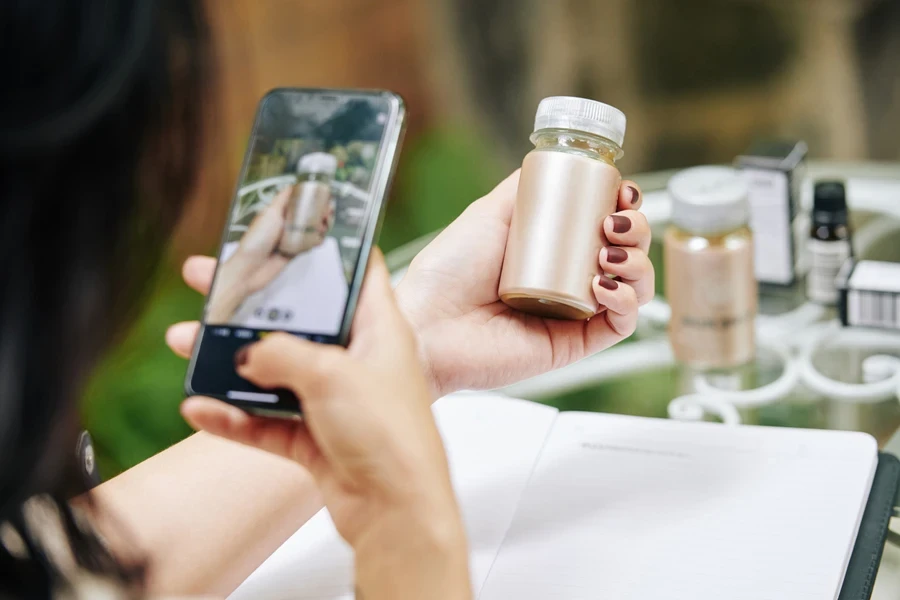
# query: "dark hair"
(101, 115)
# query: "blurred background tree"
(698, 79)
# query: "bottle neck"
(578, 142)
(730, 239)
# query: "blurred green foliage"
(443, 171)
(131, 406)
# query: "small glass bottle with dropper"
(568, 185)
(829, 241)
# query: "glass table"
(809, 371)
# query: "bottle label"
(552, 248)
(873, 295)
(825, 261)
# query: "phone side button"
(252, 396)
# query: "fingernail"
(606, 282)
(615, 255)
(620, 224)
(635, 194)
(240, 357)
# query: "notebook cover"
(866, 556)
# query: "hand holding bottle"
(472, 340)
(254, 264)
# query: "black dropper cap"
(830, 203)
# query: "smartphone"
(307, 210)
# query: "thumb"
(499, 202)
(279, 202)
(281, 360)
(266, 227)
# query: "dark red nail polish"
(635, 194)
(606, 282)
(615, 255)
(240, 357)
(620, 224)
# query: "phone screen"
(299, 230)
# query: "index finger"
(279, 202)
(630, 196)
(275, 211)
(270, 219)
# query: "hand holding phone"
(368, 438)
(286, 262)
(363, 404)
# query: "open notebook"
(583, 505)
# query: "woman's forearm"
(204, 513)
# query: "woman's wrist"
(409, 555)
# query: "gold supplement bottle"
(568, 185)
(710, 283)
(309, 203)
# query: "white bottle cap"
(580, 114)
(316, 163)
(707, 200)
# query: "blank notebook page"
(492, 445)
(622, 507)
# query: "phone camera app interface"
(296, 227)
